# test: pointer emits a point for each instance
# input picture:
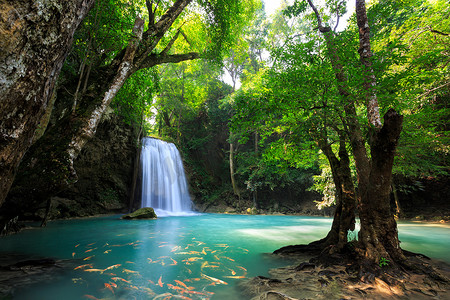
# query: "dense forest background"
(261, 139)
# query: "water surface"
(198, 257)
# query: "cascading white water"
(164, 184)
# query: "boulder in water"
(141, 213)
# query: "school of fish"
(199, 268)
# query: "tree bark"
(233, 179)
(344, 215)
(378, 235)
(35, 38)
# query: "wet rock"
(305, 266)
(18, 271)
(10, 226)
(142, 213)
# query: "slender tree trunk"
(344, 215)
(34, 42)
(398, 208)
(233, 179)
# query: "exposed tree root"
(345, 275)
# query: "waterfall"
(164, 184)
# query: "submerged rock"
(141, 213)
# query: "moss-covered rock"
(141, 213)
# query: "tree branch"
(155, 33)
(438, 32)
(185, 37)
(432, 90)
(319, 18)
(151, 14)
(157, 59)
(170, 44)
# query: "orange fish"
(214, 280)
(195, 293)
(73, 254)
(89, 257)
(160, 283)
(107, 251)
(229, 258)
(173, 287)
(90, 297)
(83, 266)
(77, 245)
(174, 262)
(182, 297)
(130, 271)
(181, 283)
(175, 248)
(166, 295)
(235, 277)
(194, 258)
(94, 270)
(113, 284)
(109, 287)
(118, 278)
(91, 244)
(151, 282)
(242, 268)
(112, 267)
(89, 250)
(148, 291)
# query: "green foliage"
(135, 98)
(225, 20)
(103, 33)
(411, 35)
(384, 262)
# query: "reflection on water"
(199, 257)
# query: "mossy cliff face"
(104, 171)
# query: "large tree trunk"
(378, 235)
(35, 38)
